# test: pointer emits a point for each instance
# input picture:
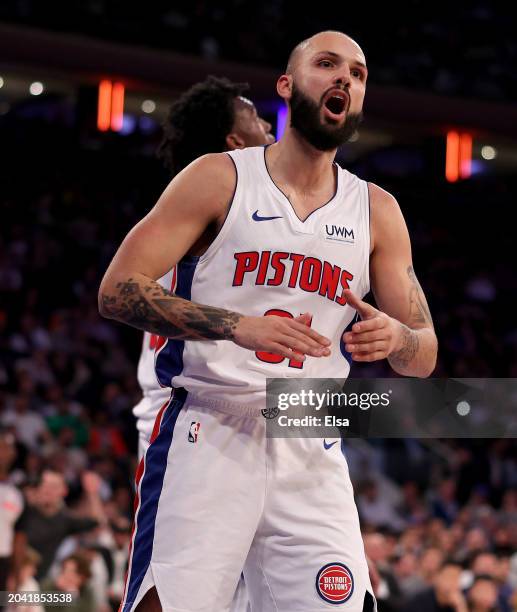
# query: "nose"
(267, 130)
(267, 126)
(344, 77)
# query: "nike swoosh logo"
(327, 446)
(255, 216)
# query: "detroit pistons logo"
(335, 583)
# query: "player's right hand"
(291, 338)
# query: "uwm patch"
(335, 583)
(193, 431)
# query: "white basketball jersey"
(266, 261)
(146, 373)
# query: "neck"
(293, 161)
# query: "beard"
(305, 118)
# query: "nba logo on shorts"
(194, 429)
(335, 583)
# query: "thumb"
(365, 310)
(304, 318)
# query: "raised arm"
(402, 329)
(198, 197)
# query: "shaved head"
(324, 87)
(311, 42)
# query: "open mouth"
(336, 103)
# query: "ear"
(284, 86)
(234, 141)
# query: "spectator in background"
(482, 595)
(72, 578)
(430, 563)
(412, 509)
(65, 418)
(484, 563)
(27, 581)
(121, 530)
(475, 540)
(100, 564)
(106, 437)
(28, 426)
(376, 510)
(46, 522)
(444, 596)
(37, 366)
(406, 573)
(388, 591)
(444, 505)
(11, 506)
(503, 578)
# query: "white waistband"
(224, 406)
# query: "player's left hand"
(373, 338)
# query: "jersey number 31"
(273, 357)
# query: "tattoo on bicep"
(419, 313)
(410, 346)
(163, 313)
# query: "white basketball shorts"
(145, 413)
(215, 497)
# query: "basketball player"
(274, 294)
(210, 117)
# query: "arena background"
(440, 133)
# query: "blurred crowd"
(65, 529)
(440, 526)
(426, 51)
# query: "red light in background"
(458, 156)
(452, 157)
(104, 106)
(117, 106)
(110, 112)
(465, 155)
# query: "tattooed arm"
(197, 197)
(189, 205)
(143, 303)
(401, 330)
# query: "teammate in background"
(211, 117)
(294, 234)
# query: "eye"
(357, 73)
(325, 63)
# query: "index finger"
(365, 310)
(368, 325)
(308, 331)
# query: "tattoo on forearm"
(148, 306)
(419, 314)
(410, 345)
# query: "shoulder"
(387, 221)
(204, 187)
(209, 173)
(381, 201)
(218, 165)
